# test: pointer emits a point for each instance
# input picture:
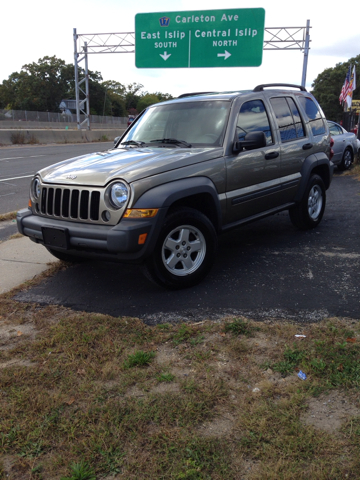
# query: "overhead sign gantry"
(273, 38)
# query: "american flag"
(345, 87)
(352, 87)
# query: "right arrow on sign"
(165, 56)
(225, 55)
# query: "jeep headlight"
(35, 188)
(118, 195)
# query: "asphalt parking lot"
(264, 270)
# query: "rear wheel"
(309, 212)
(346, 160)
(185, 250)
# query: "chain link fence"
(26, 119)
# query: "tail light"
(331, 149)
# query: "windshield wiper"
(133, 142)
(173, 141)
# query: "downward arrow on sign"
(225, 55)
(165, 56)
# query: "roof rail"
(194, 93)
(260, 88)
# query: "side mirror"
(116, 139)
(251, 141)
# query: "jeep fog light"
(106, 215)
(118, 194)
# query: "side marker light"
(142, 238)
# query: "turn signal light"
(140, 212)
(29, 204)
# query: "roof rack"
(194, 93)
(260, 88)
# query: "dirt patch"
(329, 412)
(11, 333)
(221, 426)
(16, 363)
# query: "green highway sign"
(201, 38)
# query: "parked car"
(185, 171)
(130, 120)
(345, 146)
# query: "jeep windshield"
(180, 125)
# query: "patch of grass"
(333, 358)
(8, 216)
(292, 358)
(72, 395)
(139, 359)
(184, 333)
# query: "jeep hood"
(130, 164)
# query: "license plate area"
(56, 237)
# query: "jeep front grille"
(70, 203)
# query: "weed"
(17, 138)
(240, 327)
(32, 140)
(197, 340)
(183, 334)
(104, 138)
(165, 377)
(81, 471)
(139, 359)
(163, 326)
(203, 356)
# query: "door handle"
(307, 146)
(271, 155)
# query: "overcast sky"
(32, 29)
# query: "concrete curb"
(21, 260)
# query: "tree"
(41, 87)
(327, 87)
(38, 86)
(114, 102)
(146, 100)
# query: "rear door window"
(288, 118)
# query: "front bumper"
(116, 243)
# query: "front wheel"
(185, 250)
(309, 212)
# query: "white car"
(345, 146)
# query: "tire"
(346, 160)
(184, 252)
(66, 257)
(309, 212)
